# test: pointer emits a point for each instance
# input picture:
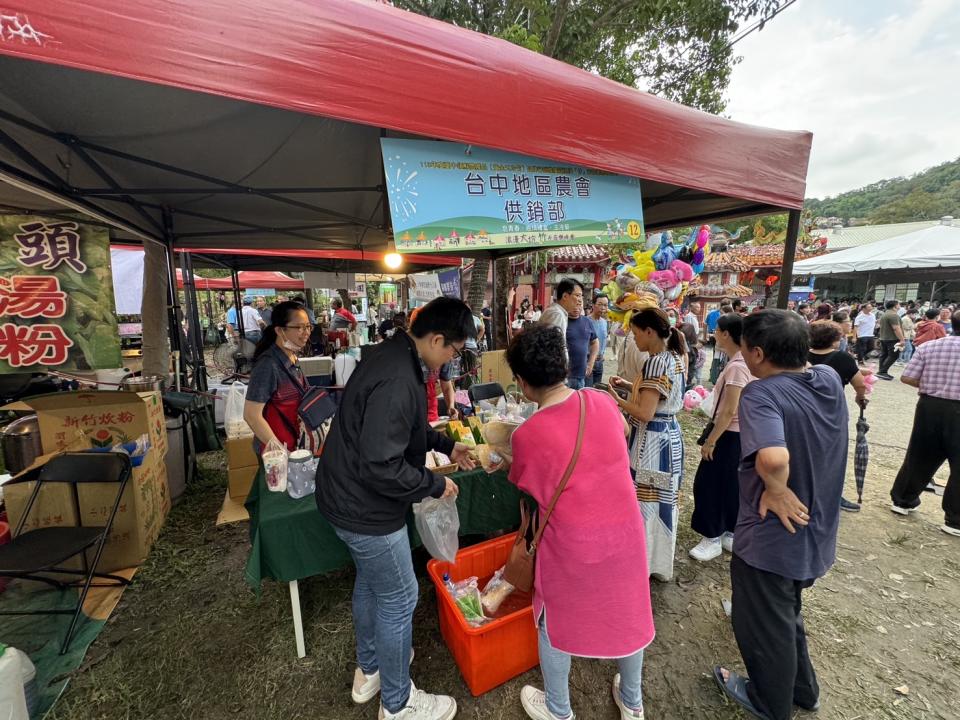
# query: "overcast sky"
(870, 78)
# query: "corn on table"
(290, 539)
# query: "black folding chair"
(485, 391)
(38, 554)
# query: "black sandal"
(735, 688)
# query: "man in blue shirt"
(791, 479)
(582, 348)
(711, 320)
(598, 319)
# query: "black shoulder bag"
(316, 404)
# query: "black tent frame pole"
(195, 333)
(235, 280)
(174, 313)
(789, 255)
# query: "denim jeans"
(575, 383)
(907, 351)
(555, 666)
(384, 598)
(597, 372)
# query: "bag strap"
(566, 475)
(299, 382)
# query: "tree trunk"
(477, 292)
(504, 281)
(345, 296)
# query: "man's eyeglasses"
(300, 328)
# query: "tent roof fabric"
(249, 279)
(932, 248)
(263, 124)
(858, 235)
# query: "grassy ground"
(190, 640)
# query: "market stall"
(292, 540)
(186, 134)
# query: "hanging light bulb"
(392, 259)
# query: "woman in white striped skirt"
(656, 443)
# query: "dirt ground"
(190, 640)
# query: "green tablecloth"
(291, 540)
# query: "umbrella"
(861, 455)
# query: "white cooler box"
(318, 370)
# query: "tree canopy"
(677, 49)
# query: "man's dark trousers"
(863, 347)
(888, 355)
(935, 438)
(773, 643)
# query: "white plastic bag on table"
(275, 466)
(233, 423)
(438, 523)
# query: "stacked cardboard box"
(242, 467)
(494, 369)
(77, 421)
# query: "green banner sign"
(56, 296)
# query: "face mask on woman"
(672, 320)
(290, 345)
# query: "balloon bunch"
(629, 289)
(655, 276)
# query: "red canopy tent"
(225, 124)
(197, 121)
(248, 279)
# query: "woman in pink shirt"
(716, 487)
(592, 592)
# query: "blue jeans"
(384, 598)
(907, 351)
(575, 383)
(555, 666)
(597, 372)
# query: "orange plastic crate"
(489, 655)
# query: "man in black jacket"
(371, 470)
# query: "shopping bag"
(233, 422)
(438, 523)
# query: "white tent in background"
(928, 250)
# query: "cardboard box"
(240, 453)
(240, 480)
(143, 508)
(494, 368)
(98, 419)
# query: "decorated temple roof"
(757, 256)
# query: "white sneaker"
(625, 712)
(900, 510)
(726, 541)
(708, 549)
(535, 704)
(950, 530)
(366, 687)
(423, 706)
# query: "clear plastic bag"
(275, 466)
(466, 595)
(438, 523)
(233, 423)
(495, 592)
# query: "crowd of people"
(768, 488)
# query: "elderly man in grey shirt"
(569, 294)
